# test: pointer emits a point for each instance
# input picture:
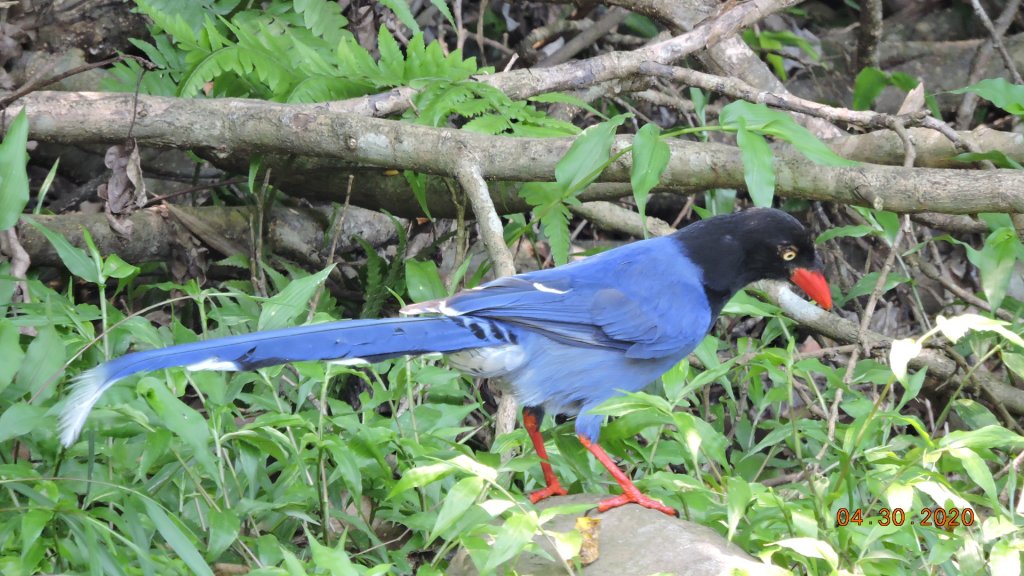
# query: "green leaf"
(512, 538)
(854, 231)
(758, 172)
(420, 476)
(442, 7)
(282, 309)
(179, 542)
(456, 501)
(1000, 159)
(761, 119)
(1009, 97)
(404, 14)
(650, 158)
(423, 281)
(75, 259)
(322, 18)
(392, 62)
(982, 438)
(20, 419)
(32, 524)
(335, 560)
(811, 548)
(868, 86)
(13, 176)
(224, 528)
(555, 224)
(563, 98)
(43, 363)
(866, 285)
(995, 261)
(182, 420)
(10, 351)
(115, 267)
(587, 156)
(738, 497)
(977, 470)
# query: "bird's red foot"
(551, 490)
(635, 497)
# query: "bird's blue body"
(564, 339)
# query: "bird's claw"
(635, 497)
(551, 490)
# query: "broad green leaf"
(1004, 558)
(995, 261)
(867, 283)
(75, 259)
(179, 542)
(182, 420)
(986, 437)
(224, 528)
(900, 355)
(456, 501)
(281, 309)
(335, 560)
(423, 281)
(737, 498)
(512, 538)
(43, 364)
(855, 231)
(811, 548)
(13, 176)
(868, 86)
(20, 419)
(650, 158)
(589, 152)
(1013, 361)
(977, 470)
(1009, 97)
(760, 119)
(1000, 159)
(10, 351)
(115, 267)
(32, 524)
(758, 172)
(956, 327)
(420, 476)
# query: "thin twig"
(492, 232)
(997, 41)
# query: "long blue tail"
(352, 341)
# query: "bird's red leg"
(630, 493)
(554, 488)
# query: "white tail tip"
(85, 391)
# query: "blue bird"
(564, 340)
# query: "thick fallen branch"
(252, 127)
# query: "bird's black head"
(757, 244)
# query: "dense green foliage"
(314, 468)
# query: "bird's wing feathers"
(600, 301)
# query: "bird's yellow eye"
(788, 254)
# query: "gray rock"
(635, 541)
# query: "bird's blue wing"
(646, 300)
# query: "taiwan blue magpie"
(564, 339)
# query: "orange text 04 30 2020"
(947, 518)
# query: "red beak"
(814, 284)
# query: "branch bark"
(238, 126)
